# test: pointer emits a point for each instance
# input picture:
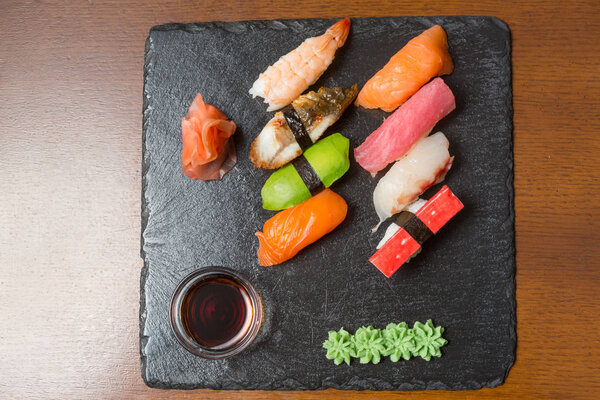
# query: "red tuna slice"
(409, 123)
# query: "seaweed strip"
(297, 128)
(308, 175)
(414, 226)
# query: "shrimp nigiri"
(423, 58)
(291, 230)
(207, 151)
(294, 72)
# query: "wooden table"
(70, 157)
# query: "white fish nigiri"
(424, 165)
(294, 72)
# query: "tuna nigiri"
(291, 230)
(409, 123)
(424, 165)
(296, 128)
(423, 58)
(294, 72)
(208, 153)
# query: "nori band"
(297, 127)
(414, 226)
(308, 175)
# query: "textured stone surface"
(463, 280)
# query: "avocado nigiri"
(322, 164)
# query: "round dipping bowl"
(215, 312)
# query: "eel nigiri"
(208, 153)
(424, 165)
(322, 164)
(405, 236)
(291, 230)
(423, 58)
(296, 128)
(294, 72)
(409, 123)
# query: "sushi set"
(313, 159)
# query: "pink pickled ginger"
(208, 153)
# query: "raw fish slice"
(423, 58)
(409, 123)
(424, 165)
(291, 230)
(207, 153)
(276, 145)
(294, 72)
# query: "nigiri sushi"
(321, 165)
(411, 228)
(291, 230)
(423, 58)
(294, 72)
(296, 128)
(207, 153)
(424, 165)
(409, 123)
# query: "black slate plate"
(463, 280)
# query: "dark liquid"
(216, 312)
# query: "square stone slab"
(464, 279)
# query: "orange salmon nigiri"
(207, 151)
(423, 58)
(291, 230)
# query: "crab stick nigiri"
(409, 123)
(291, 230)
(405, 236)
(294, 72)
(423, 58)
(424, 165)
(208, 153)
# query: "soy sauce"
(216, 312)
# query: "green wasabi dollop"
(369, 345)
(396, 341)
(340, 347)
(428, 340)
(328, 157)
(399, 341)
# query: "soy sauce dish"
(215, 312)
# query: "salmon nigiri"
(208, 153)
(294, 72)
(291, 230)
(424, 57)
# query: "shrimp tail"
(339, 31)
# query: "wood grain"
(70, 156)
